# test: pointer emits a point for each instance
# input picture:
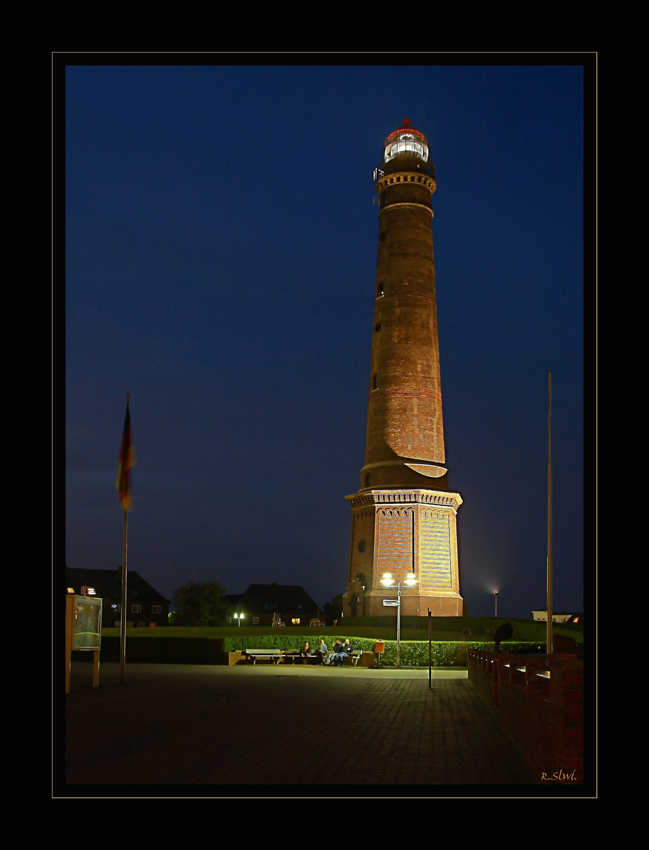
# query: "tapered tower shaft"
(404, 517)
(405, 432)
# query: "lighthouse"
(404, 515)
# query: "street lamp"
(388, 581)
(239, 617)
(496, 598)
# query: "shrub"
(152, 648)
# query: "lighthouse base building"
(401, 532)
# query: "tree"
(200, 603)
(333, 608)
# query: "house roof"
(282, 598)
(108, 584)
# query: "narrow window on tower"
(367, 484)
(375, 381)
(379, 289)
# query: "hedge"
(196, 650)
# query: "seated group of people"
(340, 652)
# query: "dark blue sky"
(221, 238)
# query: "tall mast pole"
(549, 640)
(122, 622)
(126, 460)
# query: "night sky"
(220, 257)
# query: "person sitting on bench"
(304, 650)
(321, 652)
(337, 649)
(341, 652)
(346, 650)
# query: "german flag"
(126, 462)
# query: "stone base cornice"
(410, 496)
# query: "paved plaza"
(269, 730)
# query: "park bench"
(350, 660)
(277, 655)
(271, 654)
(295, 658)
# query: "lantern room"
(406, 140)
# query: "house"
(145, 606)
(274, 604)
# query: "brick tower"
(404, 516)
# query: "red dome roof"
(405, 127)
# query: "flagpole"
(122, 622)
(123, 486)
(549, 639)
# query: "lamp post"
(496, 598)
(388, 581)
(239, 618)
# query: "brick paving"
(291, 727)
